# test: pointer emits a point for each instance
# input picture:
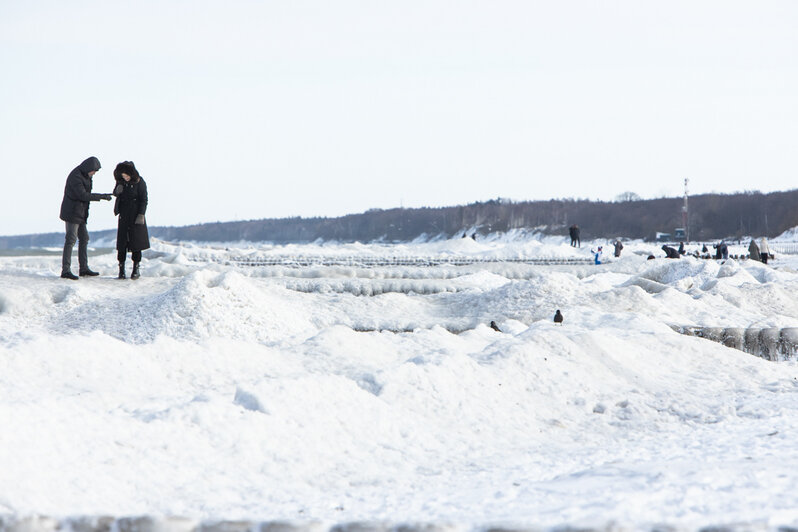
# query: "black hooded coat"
(131, 200)
(77, 192)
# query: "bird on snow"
(495, 327)
(558, 317)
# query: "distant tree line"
(711, 217)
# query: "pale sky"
(245, 109)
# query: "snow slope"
(337, 394)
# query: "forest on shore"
(711, 217)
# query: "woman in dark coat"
(130, 206)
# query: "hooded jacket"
(131, 201)
(77, 192)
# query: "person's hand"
(106, 197)
(139, 219)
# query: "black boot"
(122, 270)
(86, 272)
(135, 273)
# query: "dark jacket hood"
(126, 167)
(92, 164)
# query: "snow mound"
(202, 305)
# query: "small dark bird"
(558, 317)
(495, 327)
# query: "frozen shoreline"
(216, 392)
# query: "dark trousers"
(122, 254)
(79, 233)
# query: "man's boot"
(135, 273)
(86, 272)
(122, 270)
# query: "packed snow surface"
(210, 390)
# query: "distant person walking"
(753, 250)
(130, 207)
(721, 250)
(75, 213)
(573, 231)
(764, 250)
(618, 247)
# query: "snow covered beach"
(334, 394)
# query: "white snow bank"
(208, 391)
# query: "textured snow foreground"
(305, 398)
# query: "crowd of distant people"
(758, 251)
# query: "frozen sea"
(213, 390)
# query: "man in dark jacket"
(75, 212)
(573, 231)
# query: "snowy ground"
(339, 394)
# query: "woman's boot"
(135, 273)
(122, 270)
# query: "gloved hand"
(118, 190)
(106, 197)
(139, 219)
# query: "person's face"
(91, 174)
(126, 177)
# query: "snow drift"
(339, 395)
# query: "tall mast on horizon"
(684, 212)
